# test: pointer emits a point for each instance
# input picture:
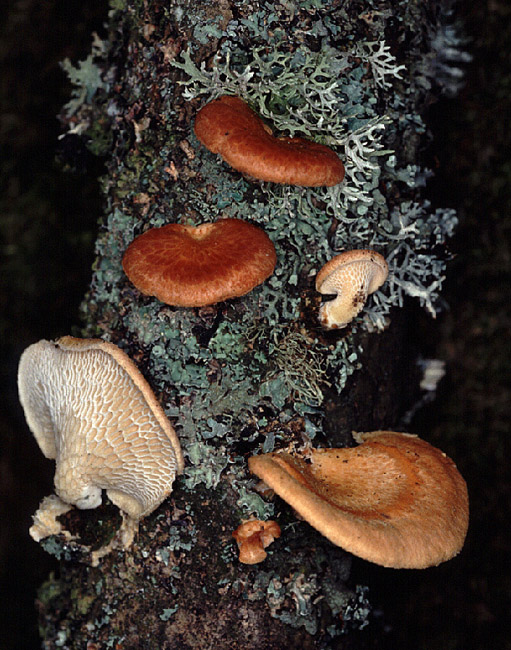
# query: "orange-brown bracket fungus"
(394, 500)
(229, 127)
(351, 276)
(253, 537)
(91, 410)
(193, 266)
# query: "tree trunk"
(254, 373)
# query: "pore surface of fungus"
(253, 537)
(193, 266)
(351, 276)
(394, 500)
(92, 411)
(229, 127)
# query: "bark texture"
(255, 373)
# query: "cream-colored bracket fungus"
(394, 500)
(194, 266)
(229, 127)
(92, 411)
(351, 277)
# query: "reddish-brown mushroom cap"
(394, 500)
(229, 127)
(253, 537)
(193, 266)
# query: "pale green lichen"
(252, 503)
(383, 64)
(299, 599)
(168, 613)
(302, 593)
(55, 546)
(181, 538)
(206, 464)
(86, 77)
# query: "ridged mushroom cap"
(394, 500)
(92, 411)
(351, 276)
(229, 127)
(193, 266)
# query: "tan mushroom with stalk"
(351, 277)
(394, 500)
(91, 410)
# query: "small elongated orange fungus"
(229, 127)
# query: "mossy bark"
(225, 373)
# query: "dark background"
(47, 229)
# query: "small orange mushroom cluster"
(253, 537)
(228, 126)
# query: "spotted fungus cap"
(193, 266)
(394, 500)
(92, 411)
(229, 127)
(252, 537)
(351, 276)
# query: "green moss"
(49, 590)
(82, 602)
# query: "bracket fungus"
(91, 410)
(394, 500)
(194, 266)
(252, 537)
(229, 127)
(351, 276)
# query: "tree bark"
(255, 373)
